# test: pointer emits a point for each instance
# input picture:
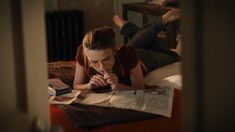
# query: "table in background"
(152, 9)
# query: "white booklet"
(65, 98)
(158, 100)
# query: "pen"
(113, 92)
(134, 92)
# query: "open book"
(61, 93)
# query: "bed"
(166, 76)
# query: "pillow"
(169, 75)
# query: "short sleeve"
(133, 59)
(129, 56)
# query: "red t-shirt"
(125, 60)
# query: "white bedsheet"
(169, 75)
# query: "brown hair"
(100, 38)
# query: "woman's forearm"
(81, 87)
(119, 86)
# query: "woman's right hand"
(96, 81)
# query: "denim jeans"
(149, 51)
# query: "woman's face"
(101, 60)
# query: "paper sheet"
(157, 101)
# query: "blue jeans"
(149, 51)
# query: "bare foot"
(171, 16)
(157, 2)
(119, 21)
(178, 48)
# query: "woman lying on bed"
(101, 64)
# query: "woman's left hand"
(111, 79)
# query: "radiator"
(65, 30)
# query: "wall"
(7, 67)
(96, 13)
(100, 12)
(23, 70)
(51, 5)
(208, 65)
